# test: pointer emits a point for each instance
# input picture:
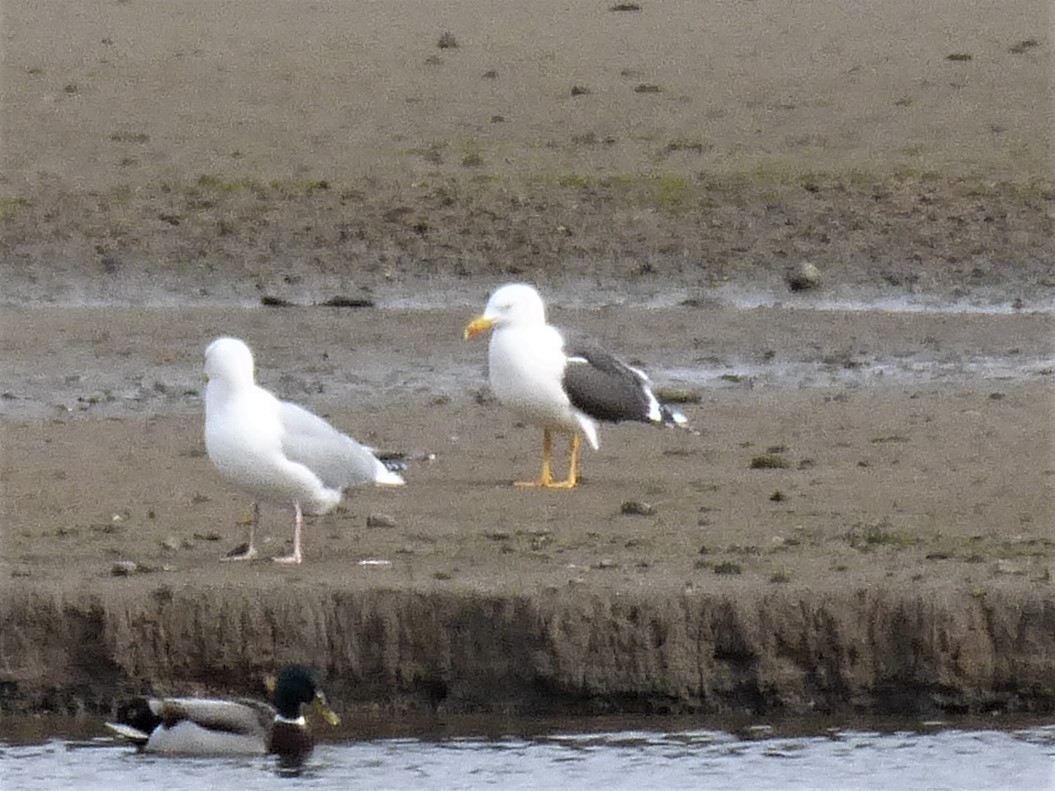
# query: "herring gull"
(275, 450)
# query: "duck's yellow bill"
(476, 326)
(319, 704)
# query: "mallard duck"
(276, 450)
(214, 726)
(559, 380)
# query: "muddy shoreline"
(637, 238)
(168, 166)
(901, 563)
(573, 652)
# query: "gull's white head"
(229, 360)
(514, 304)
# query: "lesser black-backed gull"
(558, 379)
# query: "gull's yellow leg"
(573, 467)
(546, 476)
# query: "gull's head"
(228, 360)
(514, 304)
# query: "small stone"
(341, 301)
(803, 277)
(727, 567)
(769, 461)
(637, 508)
(170, 543)
(124, 568)
(679, 395)
(378, 519)
(269, 301)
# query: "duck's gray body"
(197, 726)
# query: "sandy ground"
(176, 162)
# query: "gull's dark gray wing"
(603, 386)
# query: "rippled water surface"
(930, 757)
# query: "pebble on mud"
(803, 277)
(124, 568)
(769, 461)
(275, 302)
(727, 567)
(637, 508)
(348, 302)
(679, 395)
(378, 519)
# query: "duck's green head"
(296, 686)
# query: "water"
(147, 361)
(165, 291)
(926, 756)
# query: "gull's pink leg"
(250, 551)
(298, 521)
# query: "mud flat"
(898, 558)
(655, 171)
